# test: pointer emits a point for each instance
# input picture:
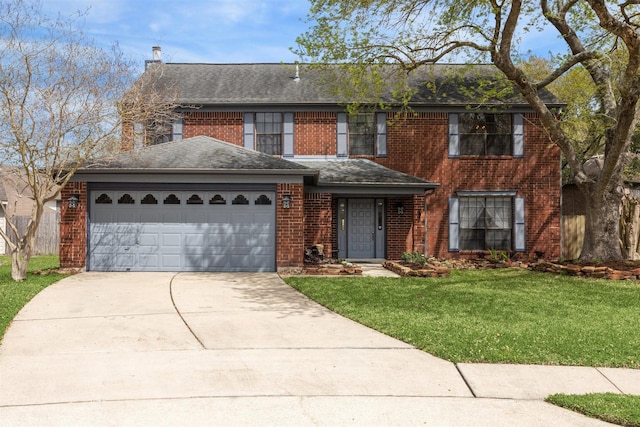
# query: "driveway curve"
(224, 349)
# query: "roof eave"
(374, 188)
(176, 171)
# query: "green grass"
(495, 316)
(503, 316)
(614, 408)
(14, 295)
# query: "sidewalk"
(112, 349)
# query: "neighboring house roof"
(276, 84)
(15, 193)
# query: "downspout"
(426, 223)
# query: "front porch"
(359, 210)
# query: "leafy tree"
(580, 120)
(58, 107)
(602, 44)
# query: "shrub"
(414, 258)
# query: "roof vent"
(296, 78)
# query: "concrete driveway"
(115, 349)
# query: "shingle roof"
(202, 154)
(197, 154)
(361, 173)
(272, 84)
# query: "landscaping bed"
(619, 270)
(332, 269)
(442, 268)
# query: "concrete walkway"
(164, 349)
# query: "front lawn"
(14, 295)
(495, 316)
(614, 408)
(503, 316)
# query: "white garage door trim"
(186, 230)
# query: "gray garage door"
(182, 231)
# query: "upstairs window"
(157, 131)
(362, 134)
(268, 127)
(486, 134)
(269, 133)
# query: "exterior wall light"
(400, 208)
(286, 201)
(73, 201)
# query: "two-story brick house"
(268, 163)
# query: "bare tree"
(150, 108)
(601, 35)
(58, 107)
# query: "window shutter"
(381, 134)
(518, 135)
(342, 149)
(248, 131)
(519, 224)
(177, 130)
(454, 224)
(288, 135)
(454, 137)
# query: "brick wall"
(73, 227)
(225, 126)
(320, 222)
(290, 227)
(418, 144)
(403, 229)
(315, 134)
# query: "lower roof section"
(362, 177)
(207, 160)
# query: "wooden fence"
(47, 236)
(572, 236)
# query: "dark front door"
(362, 228)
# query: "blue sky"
(213, 31)
(216, 31)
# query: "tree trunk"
(630, 226)
(22, 250)
(602, 228)
(19, 263)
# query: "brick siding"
(290, 227)
(417, 144)
(320, 222)
(73, 227)
(225, 126)
(315, 134)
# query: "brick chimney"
(157, 57)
